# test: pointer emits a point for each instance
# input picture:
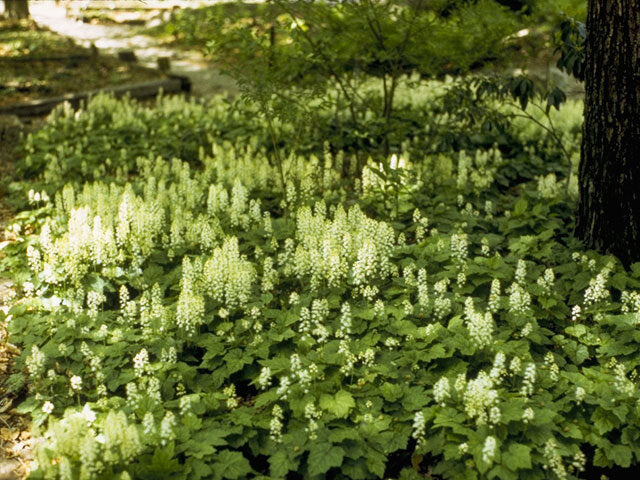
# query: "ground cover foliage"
(183, 314)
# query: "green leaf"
(555, 98)
(572, 431)
(231, 465)
(618, 281)
(415, 399)
(338, 435)
(163, 464)
(621, 455)
(199, 469)
(198, 450)
(152, 274)
(279, 464)
(324, 456)
(376, 462)
(512, 409)
(203, 442)
(503, 473)
(28, 406)
(520, 207)
(628, 321)
(340, 405)
(582, 353)
(266, 398)
(576, 330)
(451, 418)
(621, 412)
(518, 456)
(600, 459)
(603, 420)
(391, 392)
(436, 351)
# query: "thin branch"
(549, 130)
(326, 59)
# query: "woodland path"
(206, 79)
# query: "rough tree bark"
(609, 175)
(16, 9)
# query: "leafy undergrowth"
(202, 28)
(33, 65)
(194, 27)
(188, 320)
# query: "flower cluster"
(36, 362)
(312, 414)
(554, 371)
(167, 427)
(264, 380)
(190, 308)
(228, 276)
(76, 439)
(494, 296)
(419, 427)
(553, 459)
(529, 380)
(349, 245)
(519, 299)
(480, 325)
(481, 399)
(459, 246)
(621, 382)
(630, 302)
(597, 290)
(546, 281)
(489, 449)
(441, 390)
(548, 186)
(441, 304)
(275, 426)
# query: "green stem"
(276, 152)
(551, 131)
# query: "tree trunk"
(16, 9)
(609, 177)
